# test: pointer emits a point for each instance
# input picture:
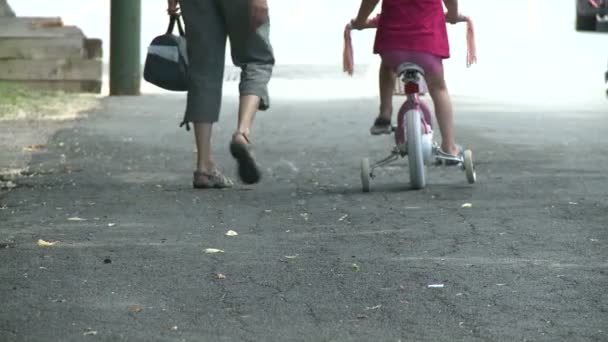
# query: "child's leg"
(443, 111)
(387, 80)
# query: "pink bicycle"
(414, 137)
(414, 131)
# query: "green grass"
(23, 103)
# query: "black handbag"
(167, 60)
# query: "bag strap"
(172, 20)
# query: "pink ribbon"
(348, 58)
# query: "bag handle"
(172, 20)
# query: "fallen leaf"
(374, 307)
(7, 185)
(32, 148)
(135, 309)
(231, 233)
(220, 276)
(43, 243)
(467, 205)
(7, 244)
(213, 251)
(77, 219)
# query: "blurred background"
(527, 49)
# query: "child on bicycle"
(415, 31)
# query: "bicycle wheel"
(469, 167)
(585, 23)
(414, 150)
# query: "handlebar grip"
(461, 18)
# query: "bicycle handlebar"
(461, 19)
(373, 23)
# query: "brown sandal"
(213, 180)
(249, 171)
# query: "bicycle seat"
(408, 68)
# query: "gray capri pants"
(208, 24)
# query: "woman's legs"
(240, 147)
(202, 137)
(252, 52)
(248, 106)
(206, 174)
(206, 52)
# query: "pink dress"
(412, 25)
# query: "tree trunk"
(5, 9)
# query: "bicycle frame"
(421, 150)
(412, 75)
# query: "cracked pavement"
(315, 259)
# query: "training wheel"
(365, 174)
(469, 167)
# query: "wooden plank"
(65, 86)
(42, 48)
(43, 22)
(52, 32)
(36, 21)
(19, 27)
(50, 70)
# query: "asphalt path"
(520, 256)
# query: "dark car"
(592, 15)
